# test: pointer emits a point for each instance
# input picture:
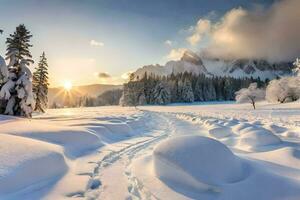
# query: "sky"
(99, 41)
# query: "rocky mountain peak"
(191, 57)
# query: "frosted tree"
(283, 90)
(187, 94)
(161, 94)
(209, 91)
(133, 94)
(40, 84)
(251, 94)
(198, 93)
(296, 69)
(16, 78)
(142, 99)
(3, 71)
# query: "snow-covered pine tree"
(16, 88)
(40, 84)
(198, 93)
(187, 94)
(161, 94)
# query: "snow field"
(268, 151)
(153, 152)
(55, 149)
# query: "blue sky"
(126, 34)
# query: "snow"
(208, 151)
(24, 161)
(196, 161)
(254, 138)
(192, 63)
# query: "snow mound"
(24, 162)
(218, 131)
(195, 161)
(276, 129)
(255, 137)
(75, 141)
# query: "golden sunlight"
(68, 85)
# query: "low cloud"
(272, 33)
(176, 54)
(95, 43)
(200, 30)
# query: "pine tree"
(16, 89)
(40, 84)
(198, 93)
(187, 91)
(19, 41)
(161, 94)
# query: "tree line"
(183, 87)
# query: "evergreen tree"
(19, 41)
(198, 92)
(161, 94)
(16, 86)
(40, 84)
(187, 91)
(182, 87)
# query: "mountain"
(191, 62)
(248, 68)
(59, 94)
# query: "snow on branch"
(251, 94)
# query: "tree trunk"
(253, 104)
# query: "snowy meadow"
(214, 151)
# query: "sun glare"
(68, 85)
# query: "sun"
(68, 85)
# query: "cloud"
(203, 27)
(168, 43)
(95, 43)
(176, 54)
(103, 75)
(272, 34)
(106, 78)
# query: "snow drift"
(196, 162)
(25, 164)
(253, 138)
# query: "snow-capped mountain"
(247, 68)
(191, 62)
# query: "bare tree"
(251, 94)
